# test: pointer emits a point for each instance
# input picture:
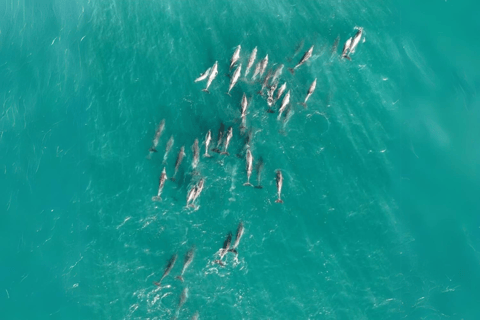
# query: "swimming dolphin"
(163, 177)
(251, 60)
(244, 105)
(236, 56)
(280, 91)
(204, 75)
(285, 102)
(180, 156)
(335, 45)
(208, 138)
(259, 168)
(168, 148)
(249, 159)
(158, 134)
(220, 138)
(270, 95)
(235, 77)
(227, 141)
(196, 154)
(258, 67)
(211, 76)
(305, 57)
(191, 195)
(237, 239)
(186, 262)
(279, 186)
(168, 268)
(198, 189)
(310, 91)
(277, 74)
(356, 40)
(265, 82)
(263, 66)
(346, 47)
(183, 298)
(224, 250)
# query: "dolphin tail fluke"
(216, 150)
(179, 278)
(304, 104)
(346, 57)
(225, 153)
(234, 251)
(279, 200)
(258, 187)
(152, 149)
(228, 93)
(172, 179)
(157, 198)
(270, 110)
(158, 284)
(292, 70)
(205, 90)
(248, 184)
(206, 155)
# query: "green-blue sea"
(381, 168)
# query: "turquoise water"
(381, 171)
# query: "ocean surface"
(381, 170)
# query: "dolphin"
(235, 77)
(356, 39)
(180, 156)
(240, 230)
(335, 45)
(208, 138)
(280, 91)
(277, 74)
(236, 56)
(183, 298)
(204, 75)
(198, 189)
(249, 159)
(224, 250)
(191, 195)
(186, 262)
(227, 141)
(285, 102)
(263, 66)
(220, 138)
(244, 105)
(259, 168)
(158, 134)
(168, 268)
(304, 59)
(195, 316)
(196, 154)
(279, 186)
(310, 91)
(251, 60)
(211, 76)
(270, 96)
(346, 48)
(168, 148)
(163, 177)
(265, 81)
(257, 70)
